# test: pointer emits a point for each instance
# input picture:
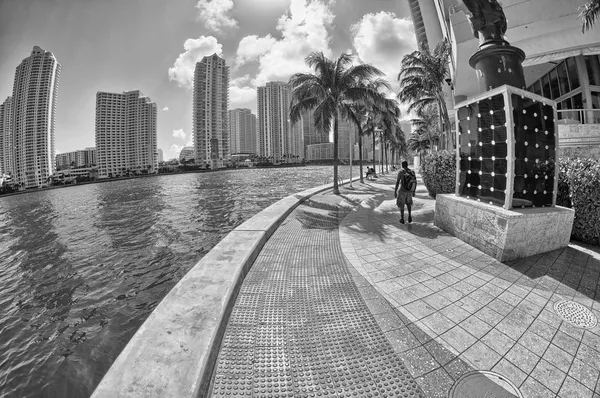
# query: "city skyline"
(154, 47)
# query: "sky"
(153, 46)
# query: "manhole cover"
(483, 384)
(576, 314)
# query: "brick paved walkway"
(300, 327)
(491, 316)
(341, 302)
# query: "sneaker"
(402, 221)
(409, 219)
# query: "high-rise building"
(33, 113)
(125, 133)
(6, 145)
(81, 158)
(210, 108)
(161, 155)
(277, 138)
(187, 154)
(311, 134)
(242, 131)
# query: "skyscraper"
(6, 146)
(210, 108)
(33, 112)
(277, 138)
(125, 133)
(242, 131)
(311, 134)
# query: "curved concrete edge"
(175, 350)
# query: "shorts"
(403, 198)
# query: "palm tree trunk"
(387, 164)
(360, 158)
(336, 190)
(374, 166)
(381, 152)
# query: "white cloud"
(241, 91)
(304, 28)
(175, 149)
(165, 109)
(382, 40)
(214, 14)
(252, 47)
(182, 70)
(179, 134)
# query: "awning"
(560, 55)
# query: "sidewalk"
(345, 301)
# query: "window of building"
(592, 64)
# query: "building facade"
(187, 154)
(33, 115)
(242, 131)
(210, 112)
(277, 138)
(76, 159)
(311, 134)
(161, 155)
(6, 145)
(125, 133)
(561, 62)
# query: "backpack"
(407, 179)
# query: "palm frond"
(589, 13)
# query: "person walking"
(406, 185)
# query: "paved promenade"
(344, 301)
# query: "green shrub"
(439, 172)
(578, 188)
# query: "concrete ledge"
(504, 234)
(174, 352)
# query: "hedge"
(578, 188)
(439, 172)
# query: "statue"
(496, 62)
(487, 21)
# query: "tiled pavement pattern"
(463, 310)
(300, 327)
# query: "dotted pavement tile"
(300, 327)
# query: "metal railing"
(579, 116)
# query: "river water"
(82, 267)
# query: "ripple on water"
(81, 268)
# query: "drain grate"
(576, 314)
(484, 384)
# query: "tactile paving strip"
(300, 327)
(576, 314)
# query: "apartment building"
(6, 145)
(277, 138)
(125, 133)
(210, 112)
(75, 159)
(33, 117)
(242, 131)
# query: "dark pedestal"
(498, 65)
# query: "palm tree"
(590, 13)
(334, 84)
(422, 77)
(426, 124)
(418, 143)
